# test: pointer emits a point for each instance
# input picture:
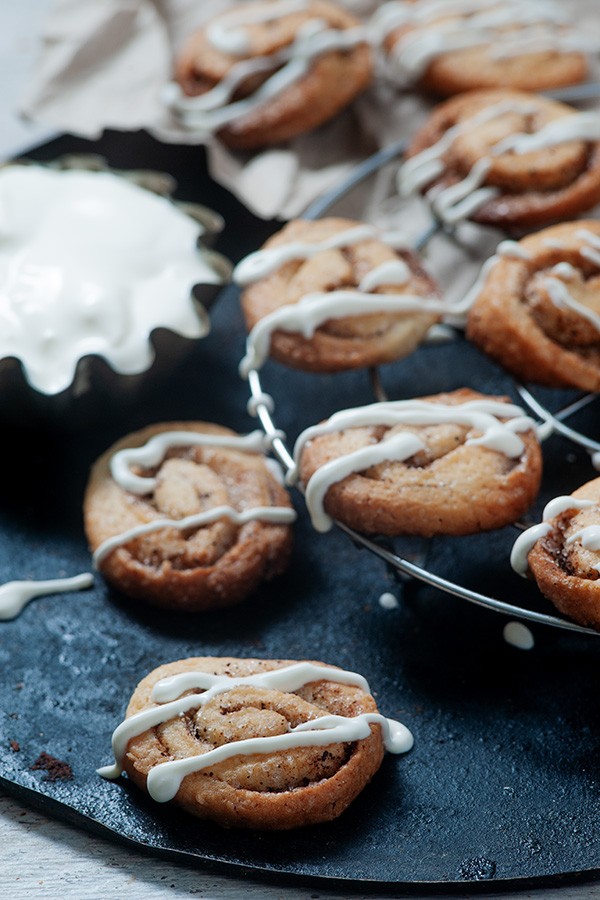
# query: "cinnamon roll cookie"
(505, 158)
(252, 743)
(562, 554)
(537, 311)
(266, 71)
(335, 294)
(449, 48)
(455, 463)
(187, 515)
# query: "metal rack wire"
(262, 406)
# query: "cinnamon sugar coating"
(536, 187)
(342, 343)
(515, 321)
(277, 790)
(565, 573)
(209, 567)
(448, 488)
(333, 79)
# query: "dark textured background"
(503, 782)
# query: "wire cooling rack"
(262, 406)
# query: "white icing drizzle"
(76, 277)
(591, 245)
(394, 271)
(15, 595)
(388, 601)
(279, 515)
(527, 540)
(523, 546)
(589, 249)
(288, 678)
(589, 537)
(562, 298)
(264, 262)
(562, 272)
(504, 250)
(165, 779)
(213, 110)
(580, 126)
(313, 310)
(420, 169)
(591, 254)
(227, 33)
(398, 448)
(458, 201)
(507, 29)
(153, 452)
(589, 237)
(518, 635)
(479, 415)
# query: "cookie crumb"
(15, 746)
(57, 769)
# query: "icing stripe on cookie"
(165, 779)
(153, 452)
(313, 310)
(481, 415)
(264, 262)
(526, 541)
(460, 200)
(508, 29)
(215, 109)
(279, 515)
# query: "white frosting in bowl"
(91, 264)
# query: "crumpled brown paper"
(104, 64)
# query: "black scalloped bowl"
(97, 387)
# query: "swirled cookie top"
(165, 779)
(561, 283)
(317, 307)
(460, 200)
(498, 426)
(151, 454)
(216, 108)
(588, 537)
(432, 28)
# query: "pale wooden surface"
(43, 857)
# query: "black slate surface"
(503, 783)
